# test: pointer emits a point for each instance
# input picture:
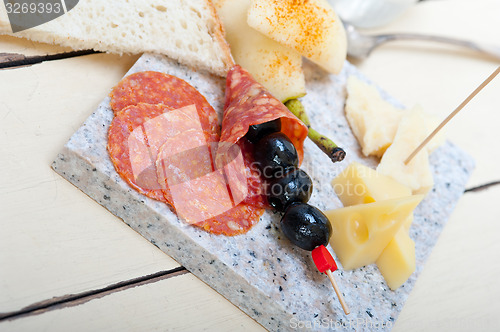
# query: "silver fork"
(360, 45)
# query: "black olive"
(275, 155)
(295, 187)
(306, 226)
(256, 132)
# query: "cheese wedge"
(359, 184)
(375, 122)
(431, 123)
(397, 260)
(361, 232)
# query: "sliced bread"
(188, 31)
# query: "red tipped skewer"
(326, 264)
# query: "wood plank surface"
(181, 303)
(458, 289)
(54, 239)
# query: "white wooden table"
(68, 264)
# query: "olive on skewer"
(289, 191)
(275, 155)
(294, 187)
(256, 132)
(308, 228)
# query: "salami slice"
(120, 150)
(249, 103)
(136, 135)
(153, 87)
(237, 220)
(218, 200)
(163, 140)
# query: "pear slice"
(311, 27)
(276, 67)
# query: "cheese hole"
(358, 229)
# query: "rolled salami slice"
(153, 87)
(249, 103)
(255, 183)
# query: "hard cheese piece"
(273, 65)
(397, 261)
(361, 232)
(312, 28)
(373, 120)
(359, 184)
(417, 173)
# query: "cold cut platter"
(244, 254)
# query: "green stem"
(334, 152)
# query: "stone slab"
(260, 271)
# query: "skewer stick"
(337, 290)
(445, 121)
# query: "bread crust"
(220, 37)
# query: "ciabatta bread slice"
(188, 31)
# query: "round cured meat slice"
(182, 162)
(249, 103)
(129, 125)
(237, 220)
(203, 195)
(136, 135)
(153, 87)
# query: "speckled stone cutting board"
(261, 272)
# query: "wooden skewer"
(445, 121)
(337, 290)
